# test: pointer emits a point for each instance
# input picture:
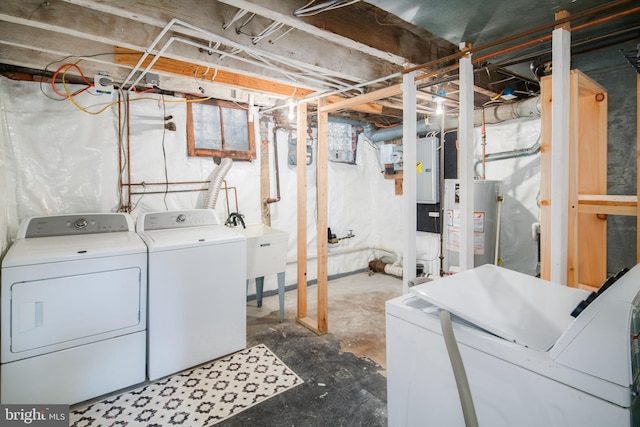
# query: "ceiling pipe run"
(493, 114)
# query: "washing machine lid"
(512, 305)
(40, 250)
(168, 239)
(166, 230)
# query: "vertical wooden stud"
(323, 208)
(301, 160)
(545, 177)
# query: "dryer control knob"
(181, 218)
(80, 224)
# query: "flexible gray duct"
(215, 182)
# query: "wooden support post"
(301, 160)
(466, 137)
(409, 202)
(561, 49)
(638, 168)
(319, 326)
(545, 177)
(322, 167)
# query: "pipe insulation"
(378, 266)
(215, 182)
(530, 107)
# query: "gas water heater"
(486, 196)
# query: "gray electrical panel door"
(427, 179)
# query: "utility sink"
(266, 250)
(266, 254)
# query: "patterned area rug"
(199, 397)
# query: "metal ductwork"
(493, 114)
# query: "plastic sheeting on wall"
(54, 158)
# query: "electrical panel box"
(428, 178)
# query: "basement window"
(219, 129)
(343, 141)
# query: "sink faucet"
(233, 219)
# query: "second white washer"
(197, 301)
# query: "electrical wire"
(66, 68)
(164, 154)
(309, 10)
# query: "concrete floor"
(343, 371)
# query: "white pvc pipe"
(148, 50)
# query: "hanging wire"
(309, 9)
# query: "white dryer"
(73, 309)
(535, 353)
(197, 299)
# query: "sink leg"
(281, 295)
(259, 288)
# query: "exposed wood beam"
(198, 73)
(369, 107)
(361, 27)
(349, 103)
(344, 62)
(282, 11)
(607, 204)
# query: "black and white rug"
(199, 397)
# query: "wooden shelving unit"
(589, 204)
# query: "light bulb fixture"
(292, 112)
(439, 109)
(440, 102)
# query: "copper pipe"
(120, 148)
(550, 36)
(270, 200)
(463, 52)
(527, 43)
(144, 184)
(127, 111)
(484, 148)
(226, 192)
(138, 193)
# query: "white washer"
(73, 316)
(197, 299)
(528, 361)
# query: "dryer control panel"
(177, 219)
(75, 224)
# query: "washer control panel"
(66, 225)
(178, 219)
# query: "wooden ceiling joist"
(130, 57)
